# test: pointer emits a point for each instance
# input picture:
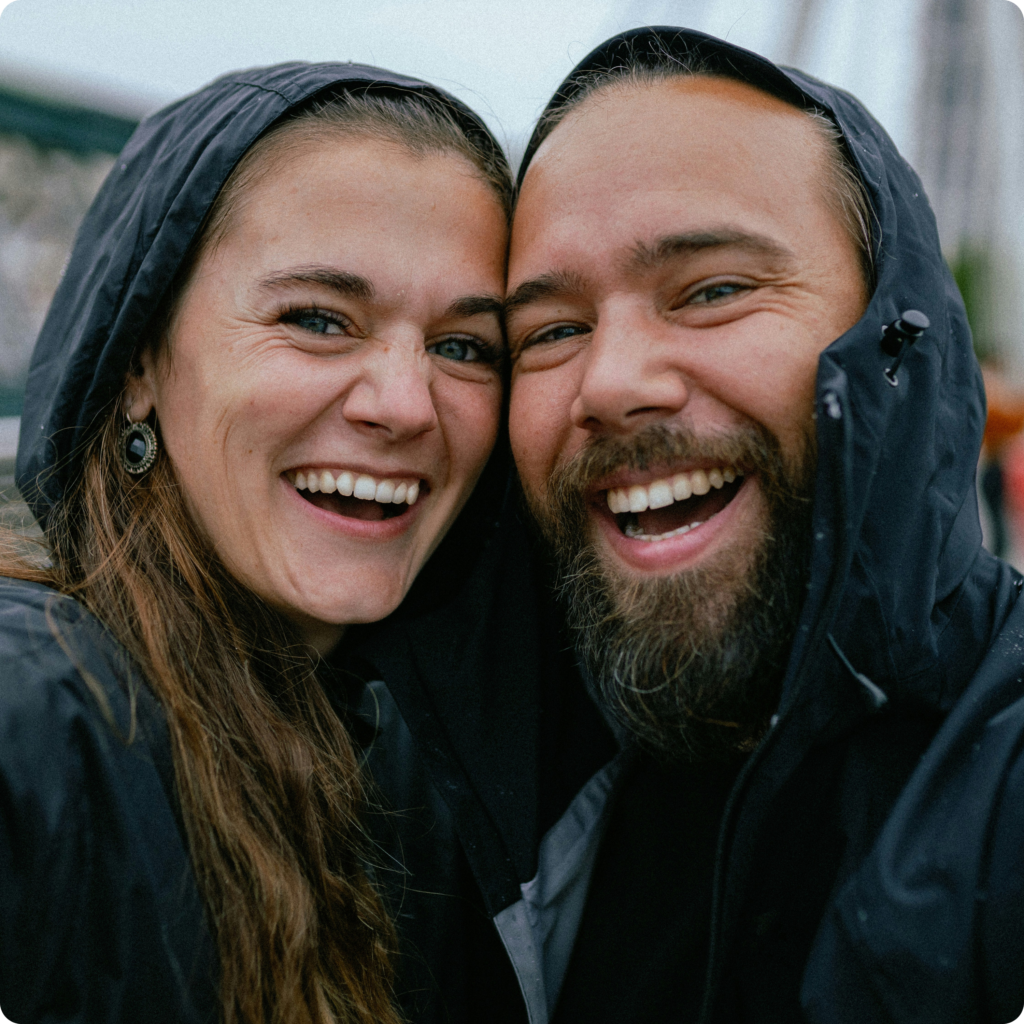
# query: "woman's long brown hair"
(267, 776)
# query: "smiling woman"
(229, 471)
(336, 344)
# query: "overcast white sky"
(504, 58)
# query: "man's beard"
(690, 664)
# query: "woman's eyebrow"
(357, 287)
(351, 285)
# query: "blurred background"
(945, 77)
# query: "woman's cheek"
(489, 421)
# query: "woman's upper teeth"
(359, 485)
(661, 493)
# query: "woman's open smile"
(375, 507)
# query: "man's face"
(675, 272)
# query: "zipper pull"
(875, 694)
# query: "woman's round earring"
(138, 448)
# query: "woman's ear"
(140, 399)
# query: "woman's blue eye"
(316, 321)
(318, 325)
(458, 349)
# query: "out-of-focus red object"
(1005, 412)
(1013, 477)
(1004, 443)
(1012, 457)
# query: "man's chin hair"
(691, 664)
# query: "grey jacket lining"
(539, 930)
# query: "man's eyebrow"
(474, 305)
(328, 277)
(647, 256)
(543, 287)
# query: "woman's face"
(330, 388)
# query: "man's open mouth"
(673, 505)
(357, 495)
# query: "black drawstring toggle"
(898, 336)
(875, 694)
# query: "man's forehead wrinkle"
(545, 286)
(329, 277)
(646, 255)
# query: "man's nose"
(393, 394)
(630, 378)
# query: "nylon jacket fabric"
(101, 921)
(869, 862)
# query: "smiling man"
(672, 291)
(746, 416)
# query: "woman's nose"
(630, 378)
(393, 394)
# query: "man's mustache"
(661, 445)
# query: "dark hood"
(896, 527)
(133, 241)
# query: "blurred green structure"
(972, 267)
(54, 153)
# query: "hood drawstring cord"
(875, 694)
(897, 338)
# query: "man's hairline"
(837, 164)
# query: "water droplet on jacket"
(832, 406)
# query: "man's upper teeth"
(661, 493)
(357, 485)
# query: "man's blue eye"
(560, 333)
(457, 349)
(717, 291)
